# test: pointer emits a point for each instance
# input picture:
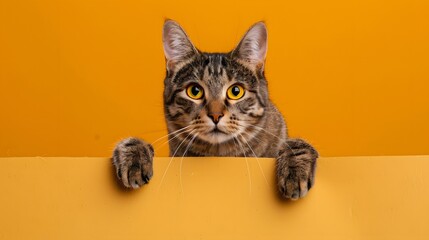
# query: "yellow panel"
(78, 75)
(213, 198)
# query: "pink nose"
(215, 117)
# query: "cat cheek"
(258, 112)
(174, 114)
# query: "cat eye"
(194, 91)
(235, 92)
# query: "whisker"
(169, 140)
(252, 121)
(247, 165)
(171, 159)
(153, 131)
(181, 162)
(282, 140)
(257, 159)
(181, 129)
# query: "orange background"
(76, 76)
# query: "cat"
(217, 104)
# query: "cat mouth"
(216, 131)
(216, 135)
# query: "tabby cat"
(217, 104)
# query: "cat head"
(214, 97)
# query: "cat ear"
(252, 48)
(177, 46)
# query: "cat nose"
(215, 117)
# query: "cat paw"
(133, 159)
(296, 165)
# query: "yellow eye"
(235, 92)
(194, 91)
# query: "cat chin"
(216, 137)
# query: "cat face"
(214, 97)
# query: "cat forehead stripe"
(215, 63)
